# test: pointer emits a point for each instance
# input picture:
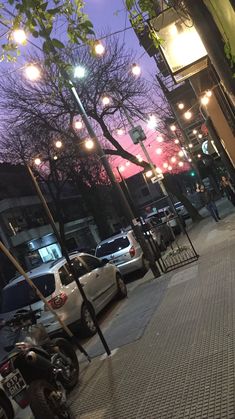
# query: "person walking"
(228, 188)
(208, 201)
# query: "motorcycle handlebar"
(20, 318)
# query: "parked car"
(168, 217)
(124, 251)
(162, 233)
(101, 281)
(181, 210)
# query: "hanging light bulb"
(19, 36)
(139, 158)
(136, 70)
(120, 131)
(160, 139)
(173, 159)
(181, 153)
(55, 158)
(180, 105)
(37, 161)
(99, 48)
(79, 72)
(89, 144)
(190, 145)
(149, 173)
(173, 128)
(180, 164)
(165, 165)
(78, 125)
(204, 100)
(58, 144)
(200, 135)
(176, 141)
(208, 93)
(199, 156)
(32, 72)
(159, 151)
(105, 100)
(128, 163)
(189, 160)
(152, 122)
(188, 115)
(169, 168)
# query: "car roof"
(46, 268)
(117, 236)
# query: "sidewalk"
(183, 365)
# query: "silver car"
(124, 251)
(101, 282)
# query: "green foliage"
(229, 55)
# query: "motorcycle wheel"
(66, 349)
(44, 402)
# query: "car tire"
(87, 323)
(121, 287)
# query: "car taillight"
(58, 301)
(5, 369)
(132, 251)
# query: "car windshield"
(112, 246)
(20, 295)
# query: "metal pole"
(68, 260)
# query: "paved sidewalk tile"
(183, 365)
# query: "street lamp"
(99, 48)
(58, 144)
(79, 72)
(181, 45)
(136, 70)
(32, 72)
(105, 100)
(89, 144)
(19, 36)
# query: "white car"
(101, 282)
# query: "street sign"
(156, 179)
(137, 134)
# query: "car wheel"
(121, 287)
(88, 325)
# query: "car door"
(102, 278)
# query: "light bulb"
(188, 115)
(181, 153)
(121, 169)
(199, 156)
(158, 170)
(169, 168)
(139, 158)
(128, 163)
(79, 72)
(78, 125)
(194, 131)
(105, 100)
(58, 144)
(180, 105)
(55, 158)
(32, 72)
(159, 151)
(189, 160)
(37, 161)
(165, 165)
(190, 145)
(136, 70)
(149, 173)
(99, 48)
(200, 135)
(173, 159)
(209, 93)
(173, 128)
(19, 36)
(160, 139)
(176, 141)
(152, 122)
(120, 131)
(180, 164)
(89, 144)
(204, 100)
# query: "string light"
(55, 158)
(165, 165)
(160, 139)
(79, 72)
(199, 156)
(180, 105)
(176, 141)
(173, 128)
(37, 161)
(169, 168)
(99, 48)
(200, 135)
(58, 144)
(194, 131)
(189, 160)
(121, 169)
(188, 115)
(180, 164)
(159, 151)
(120, 131)
(158, 170)
(208, 93)
(78, 125)
(173, 159)
(89, 144)
(32, 72)
(152, 122)
(181, 153)
(136, 70)
(149, 173)
(190, 145)
(139, 158)
(105, 100)
(19, 36)
(204, 100)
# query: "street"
(172, 340)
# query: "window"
(20, 295)
(112, 246)
(66, 277)
(91, 262)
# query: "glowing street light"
(32, 72)
(99, 48)
(37, 161)
(19, 36)
(188, 115)
(89, 144)
(136, 70)
(189, 160)
(55, 158)
(79, 72)
(58, 144)
(199, 156)
(78, 125)
(105, 100)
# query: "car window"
(66, 277)
(91, 262)
(112, 246)
(20, 295)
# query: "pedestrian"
(228, 188)
(208, 200)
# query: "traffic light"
(192, 173)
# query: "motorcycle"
(37, 370)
